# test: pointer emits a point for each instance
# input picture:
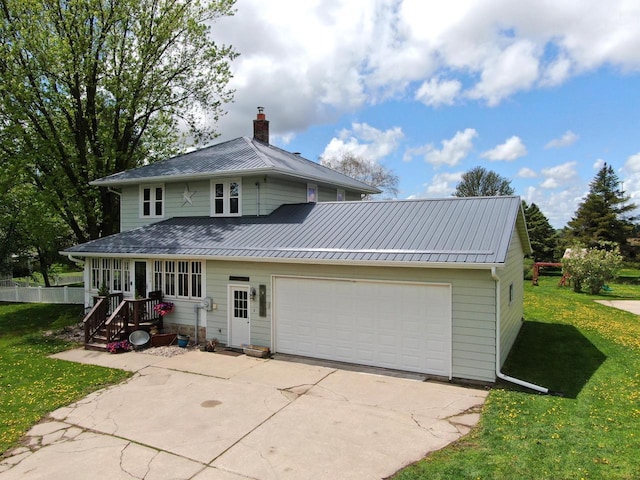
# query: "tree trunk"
(44, 267)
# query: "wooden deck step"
(99, 347)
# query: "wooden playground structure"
(564, 281)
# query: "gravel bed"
(168, 351)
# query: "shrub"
(593, 267)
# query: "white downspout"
(499, 374)
(257, 199)
(74, 259)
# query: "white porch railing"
(42, 294)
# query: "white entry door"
(239, 321)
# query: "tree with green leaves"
(480, 182)
(91, 87)
(592, 267)
(543, 237)
(28, 226)
(369, 172)
(604, 215)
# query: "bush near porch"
(572, 344)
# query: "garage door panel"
(394, 325)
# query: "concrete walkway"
(632, 306)
(207, 416)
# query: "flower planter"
(163, 339)
(164, 308)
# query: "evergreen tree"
(602, 216)
(543, 237)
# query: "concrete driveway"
(205, 416)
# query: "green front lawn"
(31, 384)
(570, 344)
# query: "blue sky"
(540, 93)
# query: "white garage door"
(405, 326)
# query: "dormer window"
(312, 193)
(152, 201)
(226, 198)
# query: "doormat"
(231, 353)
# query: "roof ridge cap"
(261, 155)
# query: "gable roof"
(241, 156)
(474, 231)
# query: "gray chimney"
(261, 126)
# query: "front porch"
(112, 318)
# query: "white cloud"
(631, 179)
(558, 206)
(559, 176)
(567, 138)
(598, 164)
(453, 151)
(510, 150)
(365, 141)
(443, 184)
(556, 72)
(506, 71)
(434, 92)
(632, 164)
(339, 56)
(526, 172)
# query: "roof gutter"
(315, 261)
(499, 374)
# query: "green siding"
(271, 193)
(473, 328)
(511, 313)
(279, 191)
(174, 204)
(353, 196)
(326, 194)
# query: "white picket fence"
(42, 294)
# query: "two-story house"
(256, 245)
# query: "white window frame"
(113, 272)
(158, 275)
(169, 278)
(126, 275)
(180, 278)
(175, 278)
(312, 193)
(116, 275)
(152, 200)
(196, 279)
(95, 273)
(106, 273)
(226, 198)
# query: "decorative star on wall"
(187, 195)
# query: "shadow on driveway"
(556, 356)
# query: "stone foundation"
(181, 329)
